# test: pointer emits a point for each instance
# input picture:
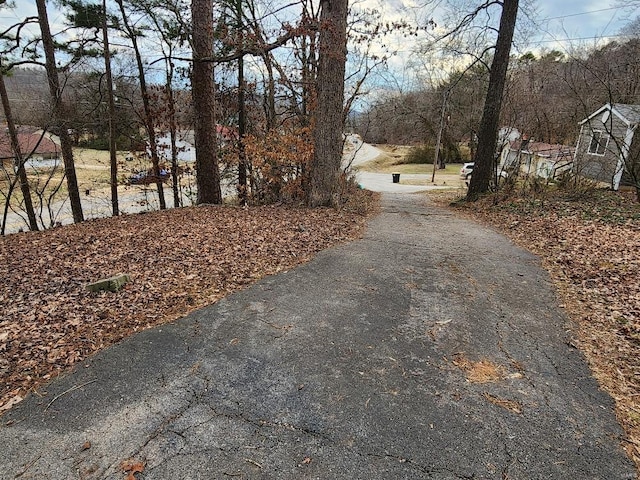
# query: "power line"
(560, 40)
(581, 13)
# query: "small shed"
(607, 147)
(541, 159)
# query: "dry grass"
(393, 158)
(92, 172)
(482, 371)
(511, 405)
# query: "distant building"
(226, 135)
(32, 141)
(607, 149)
(543, 160)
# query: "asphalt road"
(358, 153)
(363, 364)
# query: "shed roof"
(543, 149)
(629, 114)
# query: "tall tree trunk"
(487, 135)
(242, 130)
(19, 161)
(203, 92)
(242, 119)
(113, 161)
(173, 136)
(328, 131)
(56, 113)
(148, 116)
(270, 96)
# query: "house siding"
(634, 155)
(536, 158)
(600, 167)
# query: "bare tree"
(171, 29)
(148, 116)
(487, 135)
(113, 162)
(18, 163)
(57, 112)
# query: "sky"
(580, 21)
(555, 25)
(557, 19)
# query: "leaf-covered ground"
(591, 247)
(178, 260)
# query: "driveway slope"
(431, 349)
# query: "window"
(599, 142)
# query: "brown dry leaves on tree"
(591, 247)
(178, 260)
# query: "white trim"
(624, 154)
(596, 113)
(601, 132)
(574, 166)
(612, 109)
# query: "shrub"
(278, 164)
(449, 153)
(420, 154)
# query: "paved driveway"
(431, 349)
(358, 153)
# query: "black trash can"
(396, 177)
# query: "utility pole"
(436, 156)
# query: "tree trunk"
(19, 162)
(203, 93)
(173, 135)
(113, 161)
(242, 115)
(148, 117)
(328, 131)
(487, 136)
(56, 113)
(242, 127)
(270, 95)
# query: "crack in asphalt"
(416, 465)
(167, 426)
(416, 291)
(419, 214)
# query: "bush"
(449, 153)
(123, 142)
(421, 154)
(97, 143)
(278, 162)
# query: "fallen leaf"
(10, 403)
(132, 466)
(182, 260)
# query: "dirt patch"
(482, 371)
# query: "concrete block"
(112, 284)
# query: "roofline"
(611, 108)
